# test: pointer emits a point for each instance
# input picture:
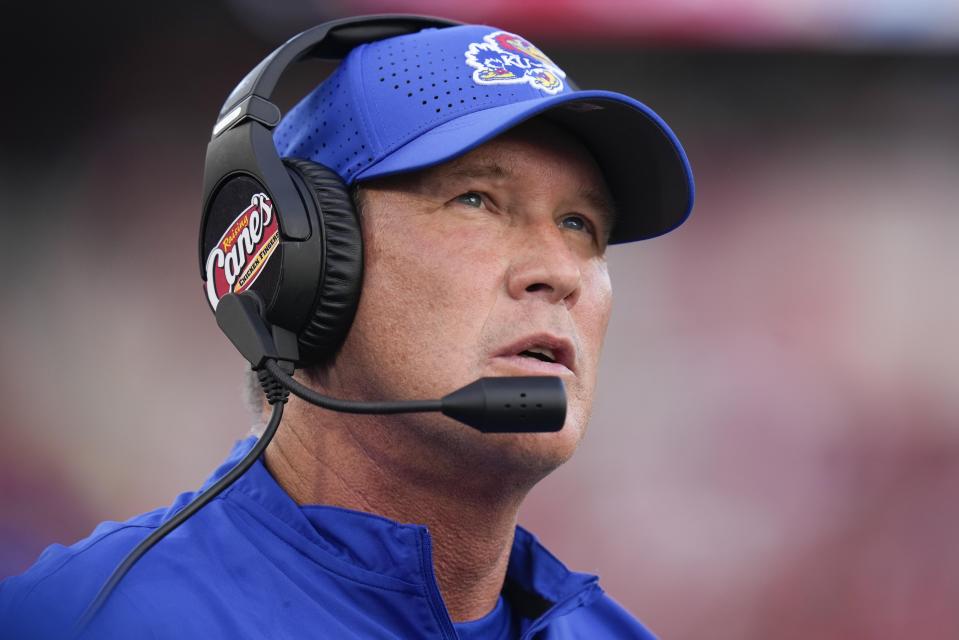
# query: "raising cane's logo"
(241, 253)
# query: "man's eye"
(576, 223)
(470, 199)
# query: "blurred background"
(775, 446)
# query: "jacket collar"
(536, 581)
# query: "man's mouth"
(541, 354)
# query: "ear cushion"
(342, 275)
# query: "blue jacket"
(254, 564)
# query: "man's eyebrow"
(483, 170)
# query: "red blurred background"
(775, 447)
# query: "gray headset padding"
(339, 292)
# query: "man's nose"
(544, 265)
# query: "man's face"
(492, 264)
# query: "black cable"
(198, 503)
(348, 406)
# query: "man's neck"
(318, 458)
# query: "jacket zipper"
(433, 590)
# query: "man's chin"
(538, 454)
(524, 458)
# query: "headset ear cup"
(342, 274)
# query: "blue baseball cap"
(413, 101)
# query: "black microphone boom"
(532, 404)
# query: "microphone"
(514, 404)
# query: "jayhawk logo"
(506, 58)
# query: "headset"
(310, 282)
(281, 258)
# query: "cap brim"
(644, 164)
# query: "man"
(488, 190)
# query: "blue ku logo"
(506, 58)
